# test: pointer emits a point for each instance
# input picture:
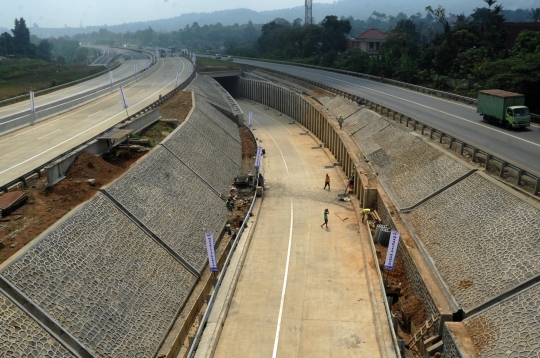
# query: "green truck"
(505, 108)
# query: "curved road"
(123, 71)
(521, 148)
(24, 150)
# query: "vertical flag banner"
(392, 250)
(177, 77)
(147, 63)
(134, 68)
(157, 54)
(124, 102)
(32, 103)
(250, 119)
(258, 158)
(212, 262)
(110, 77)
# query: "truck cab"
(518, 116)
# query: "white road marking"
(80, 133)
(49, 134)
(286, 274)
(272, 119)
(431, 108)
(105, 98)
(285, 277)
(94, 113)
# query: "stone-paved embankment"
(20, 336)
(407, 166)
(483, 239)
(508, 329)
(111, 285)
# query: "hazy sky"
(73, 13)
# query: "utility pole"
(309, 13)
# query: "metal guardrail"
(396, 115)
(55, 88)
(467, 100)
(153, 105)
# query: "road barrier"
(19, 120)
(464, 147)
(4, 187)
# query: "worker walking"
(325, 214)
(365, 214)
(340, 121)
(327, 181)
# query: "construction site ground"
(46, 205)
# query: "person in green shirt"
(326, 212)
(340, 121)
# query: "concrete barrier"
(56, 170)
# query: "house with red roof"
(369, 41)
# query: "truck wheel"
(507, 125)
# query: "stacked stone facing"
(107, 273)
(21, 336)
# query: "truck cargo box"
(495, 102)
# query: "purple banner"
(212, 262)
(392, 250)
(250, 119)
(258, 158)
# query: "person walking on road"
(340, 121)
(327, 181)
(325, 218)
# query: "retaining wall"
(115, 272)
(479, 239)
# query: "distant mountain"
(355, 8)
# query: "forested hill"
(347, 8)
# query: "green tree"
(6, 43)
(21, 37)
(333, 34)
(81, 55)
(535, 14)
(45, 50)
(61, 60)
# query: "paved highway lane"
(123, 71)
(518, 147)
(24, 150)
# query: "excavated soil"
(177, 107)
(46, 205)
(412, 305)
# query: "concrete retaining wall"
(479, 238)
(115, 272)
(457, 343)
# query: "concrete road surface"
(24, 150)
(123, 71)
(304, 291)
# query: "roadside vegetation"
(33, 64)
(18, 77)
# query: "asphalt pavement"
(519, 147)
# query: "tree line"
(21, 44)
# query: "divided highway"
(123, 71)
(24, 150)
(521, 148)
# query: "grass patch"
(205, 61)
(18, 77)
